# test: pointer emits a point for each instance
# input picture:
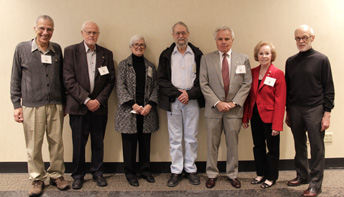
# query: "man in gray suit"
(225, 79)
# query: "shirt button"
(48, 84)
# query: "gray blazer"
(212, 84)
(126, 91)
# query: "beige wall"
(273, 20)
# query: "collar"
(35, 47)
(188, 50)
(228, 53)
(88, 48)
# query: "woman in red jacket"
(265, 107)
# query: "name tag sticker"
(270, 81)
(150, 72)
(103, 70)
(240, 69)
(46, 59)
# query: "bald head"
(305, 28)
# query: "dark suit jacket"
(77, 82)
(270, 100)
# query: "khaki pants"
(37, 121)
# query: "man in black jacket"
(180, 95)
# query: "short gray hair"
(180, 23)
(44, 17)
(134, 39)
(223, 28)
(89, 21)
(306, 27)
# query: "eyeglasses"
(91, 32)
(42, 29)
(304, 38)
(183, 33)
(136, 45)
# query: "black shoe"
(265, 185)
(149, 178)
(174, 180)
(101, 181)
(256, 181)
(193, 178)
(132, 180)
(78, 183)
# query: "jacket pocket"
(269, 107)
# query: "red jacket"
(270, 100)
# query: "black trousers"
(83, 126)
(308, 119)
(129, 142)
(266, 163)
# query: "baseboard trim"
(164, 167)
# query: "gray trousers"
(231, 128)
(308, 119)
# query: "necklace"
(261, 73)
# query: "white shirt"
(91, 64)
(183, 68)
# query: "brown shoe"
(210, 182)
(296, 182)
(235, 182)
(60, 183)
(37, 188)
(309, 192)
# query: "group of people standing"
(45, 86)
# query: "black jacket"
(167, 91)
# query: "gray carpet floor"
(19, 185)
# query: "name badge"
(103, 70)
(270, 81)
(46, 59)
(240, 69)
(150, 72)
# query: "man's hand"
(93, 105)
(145, 111)
(231, 104)
(184, 97)
(18, 115)
(223, 106)
(325, 122)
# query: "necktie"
(225, 73)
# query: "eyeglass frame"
(304, 38)
(136, 45)
(91, 32)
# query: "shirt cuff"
(216, 103)
(87, 99)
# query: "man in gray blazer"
(224, 106)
